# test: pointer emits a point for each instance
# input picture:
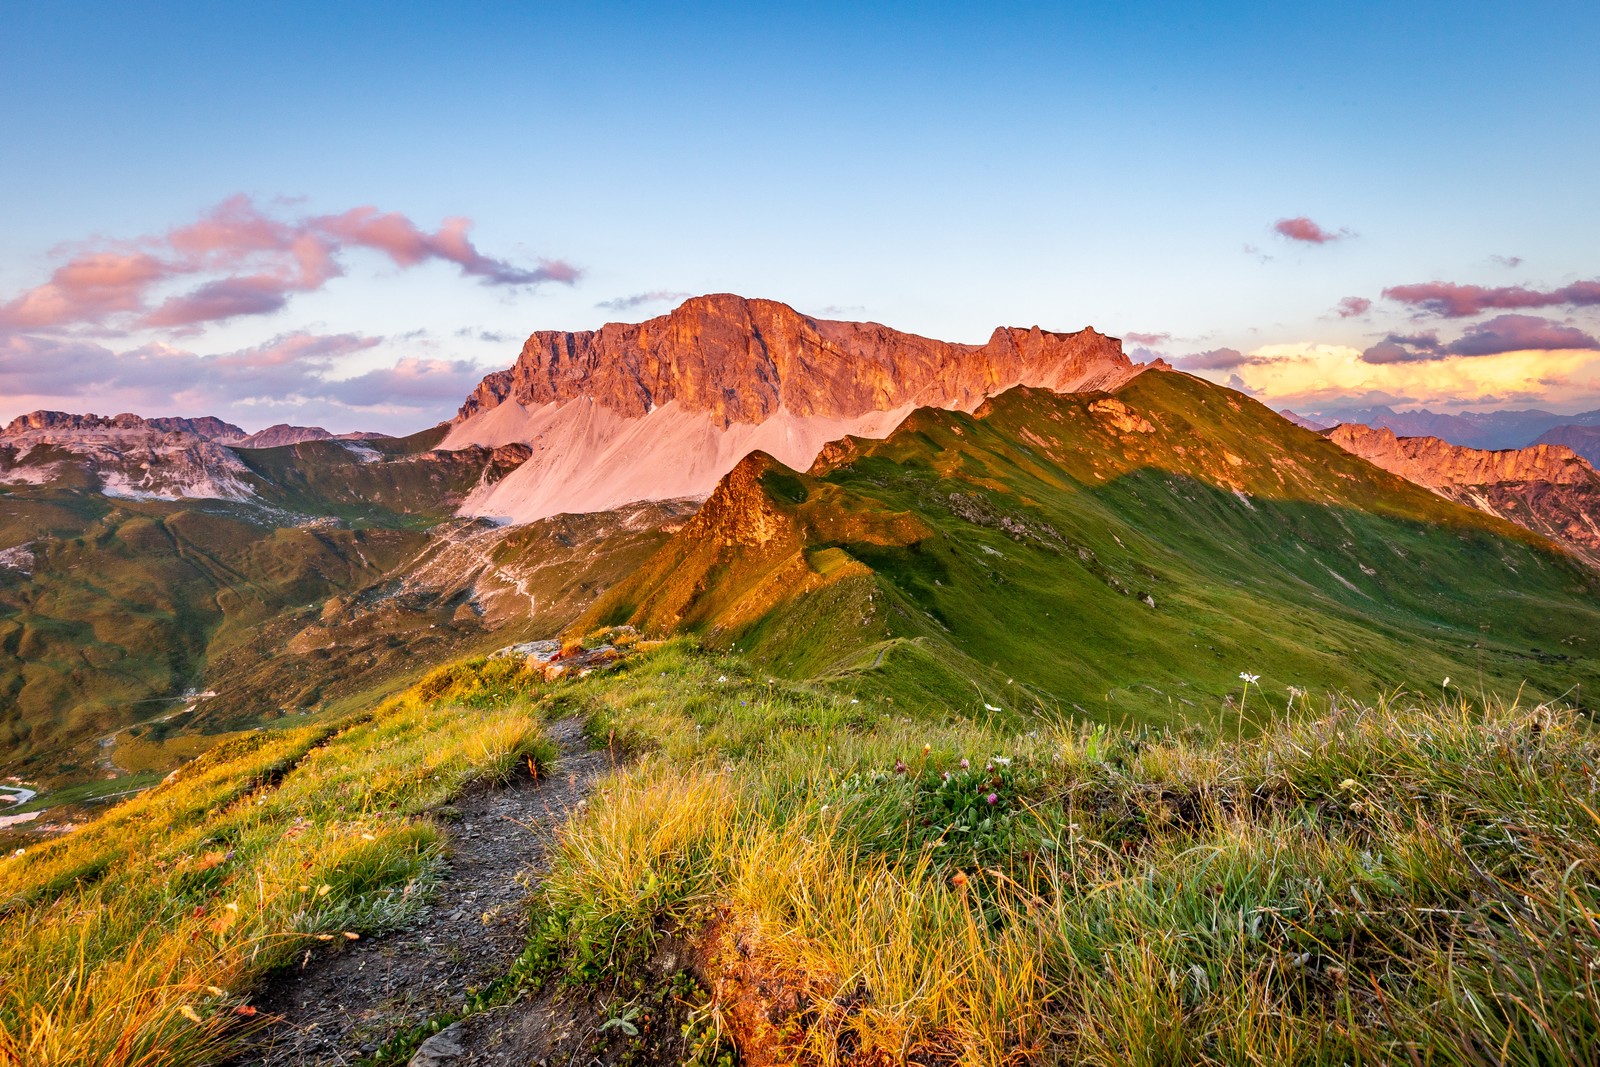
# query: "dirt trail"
(339, 1006)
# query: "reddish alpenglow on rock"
(664, 408)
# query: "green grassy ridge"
(1018, 544)
(1408, 881)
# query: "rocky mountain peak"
(743, 360)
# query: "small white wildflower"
(990, 707)
(1446, 683)
(1004, 761)
(1248, 678)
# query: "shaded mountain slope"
(1128, 555)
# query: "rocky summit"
(664, 408)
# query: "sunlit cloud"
(246, 262)
(1304, 230)
(1306, 376)
(1454, 301)
(1503, 333)
(1352, 307)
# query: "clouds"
(238, 260)
(1308, 376)
(1216, 359)
(296, 377)
(655, 296)
(1503, 333)
(1306, 231)
(1352, 307)
(1453, 301)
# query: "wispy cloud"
(247, 261)
(638, 300)
(1300, 228)
(1453, 301)
(1218, 359)
(1147, 338)
(1506, 261)
(1352, 307)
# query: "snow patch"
(18, 558)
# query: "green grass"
(136, 939)
(1408, 880)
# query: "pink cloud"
(1452, 301)
(86, 288)
(1147, 338)
(251, 263)
(1352, 307)
(1301, 228)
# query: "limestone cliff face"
(1547, 488)
(742, 360)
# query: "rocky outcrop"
(1437, 464)
(664, 408)
(1546, 488)
(124, 456)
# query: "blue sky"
(940, 168)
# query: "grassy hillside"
(1125, 557)
(856, 881)
(119, 604)
(133, 940)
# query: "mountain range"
(1036, 520)
(1475, 429)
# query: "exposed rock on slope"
(1547, 488)
(662, 409)
(123, 456)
